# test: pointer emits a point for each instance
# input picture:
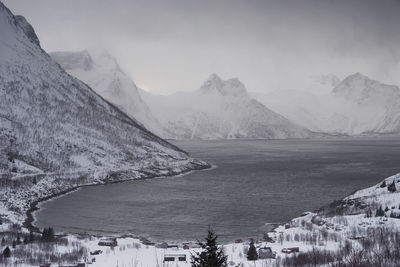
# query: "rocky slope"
(220, 110)
(56, 133)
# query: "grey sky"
(171, 45)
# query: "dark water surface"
(255, 182)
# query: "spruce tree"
(31, 237)
(14, 243)
(7, 252)
(380, 212)
(252, 253)
(48, 234)
(3, 241)
(392, 187)
(383, 184)
(51, 234)
(211, 256)
(45, 235)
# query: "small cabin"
(109, 242)
(174, 257)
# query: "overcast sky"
(174, 45)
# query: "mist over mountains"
(101, 72)
(223, 109)
(357, 105)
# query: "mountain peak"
(357, 76)
(214, 77)
(232, 87)
(358, 87)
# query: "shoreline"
(34, 206)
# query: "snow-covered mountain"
(357, 105)
(366, 106)
(103, 74)
(219, 110)
(56, 133)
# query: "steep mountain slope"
(218, 110)
(56, 133)
(103, 74)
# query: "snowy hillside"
(56, 133)
(220, 109)
(355, 106)
(103, 74)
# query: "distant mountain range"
(220, 109)
(223, 109)
(357, 105)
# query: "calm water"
(255, 182)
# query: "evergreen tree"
(14, 244)
(45, 234)
(386, 209)
(7, 252)
(3, 241)
(392, 187)
(51, 234)
(383, 184)
(211, 256)
(380, 212)
(31, 237)
(18, 240)
(252, 253)
(26, 240)
(48, 234)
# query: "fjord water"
(254, 182)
